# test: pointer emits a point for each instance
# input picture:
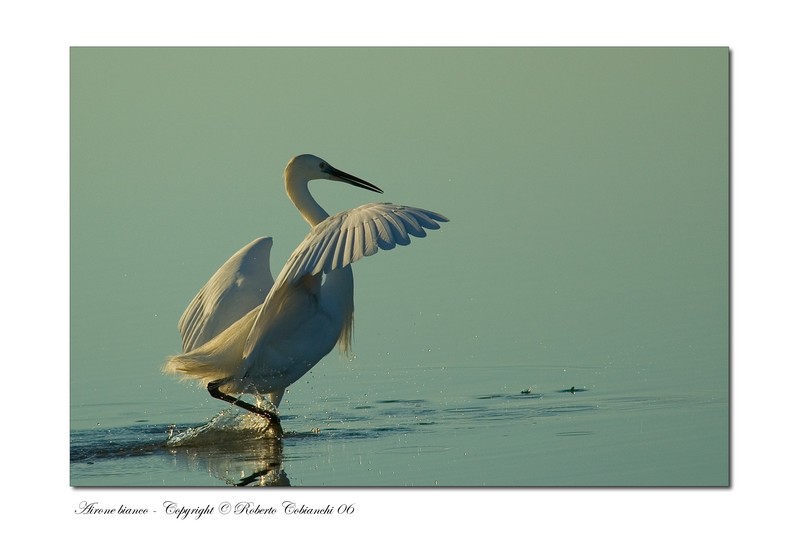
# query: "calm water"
(588, 192)
(459, 426)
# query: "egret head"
(309, 167)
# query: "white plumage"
(244, 333)
(346, 237)
(240, 285)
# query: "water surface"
(588, 248)
(439, 433)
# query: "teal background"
(588, 190)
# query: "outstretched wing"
(338, 241)
(346, 237)
(240, 285)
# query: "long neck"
(299, 194)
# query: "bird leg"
(274, 420)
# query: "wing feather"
(349, 246)
(410, 224)
(358, 249)
(398, 232)
(240, 285)
(370, 237)
(347, 237)
(384, 235)
(426, 220)
(327, 248)
(339, 241)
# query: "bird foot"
(272, 418)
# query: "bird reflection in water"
(237, 448)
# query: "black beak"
(352, 180)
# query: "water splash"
(225, 428)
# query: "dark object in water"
(273, 419)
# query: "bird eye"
(322, 166)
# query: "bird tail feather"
(218, 359)
(200, 366)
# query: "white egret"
(246, 334)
